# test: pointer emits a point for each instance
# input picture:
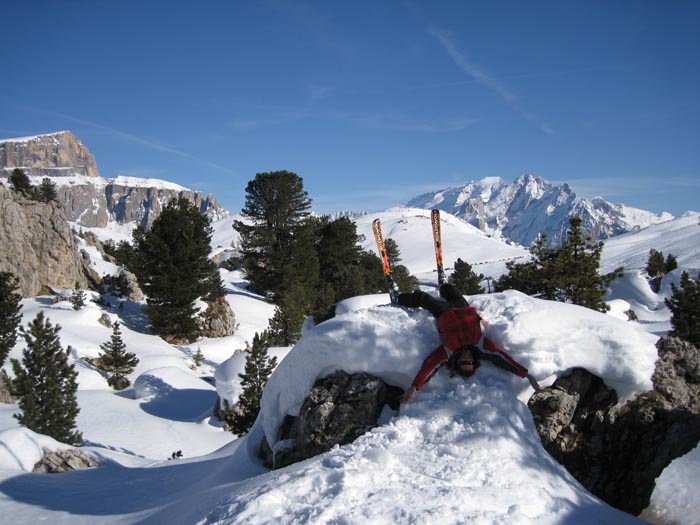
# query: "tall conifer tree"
(171, 262)
(685, 309)
(274, 213)
(46, 384)
(10, 315)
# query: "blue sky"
(370, 102)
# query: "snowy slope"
(411, 229)
(680, 237)
(460, 452)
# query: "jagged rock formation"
(522, 211)
(617, 452)
(339, 408)
(65, 460)
(52, 155)
(88, 199)
(39, 248)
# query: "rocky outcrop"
(218, 320)
(142, 204)
(5, 394)
(125, 285)
(64, 460)
(39, 248)
(677, 373)
(52, 155)
(339, 408)
(88, 199)
(618, 451)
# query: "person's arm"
(436, 358)
(501, 359)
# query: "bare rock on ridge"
(38, 246)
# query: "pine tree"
(258, 367)
(671, 263)
(567, 274)
(656, 265)
(117, 360)
(685, 310)
(19, 182)
(465, 279)
(294, 306)
(77, 298)
(46, 384)
(656, 268)
(535, 277)
(576, 267)
(275, 210)
(46, 192)
(198, 358)
(171, 262)
(10, 315)
(403, 278)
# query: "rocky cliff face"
(618, 451)
(38, 246)
(88, 199)
(531, 206)
(53, 155)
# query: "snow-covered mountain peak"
(532, 206)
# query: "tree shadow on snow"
(177, 404)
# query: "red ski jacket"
(488, 350)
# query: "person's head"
(464, 362)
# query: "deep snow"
(460, 452)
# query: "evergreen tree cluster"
(685, 310)
(304, 263)
(658, 266)
(45, 192)
(567, 274)
(171, 262)
(46, 384)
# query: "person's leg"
(423, 300)
(450, 293)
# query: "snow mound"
(23, 448)
(464, 452)
(391, 342)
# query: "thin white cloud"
(480, 76)
(136, 139)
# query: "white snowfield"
(461, 452)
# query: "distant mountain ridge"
(532, 206)
(87, 198)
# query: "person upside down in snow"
(463, 343)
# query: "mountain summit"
(530, 206)
(88, 199)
